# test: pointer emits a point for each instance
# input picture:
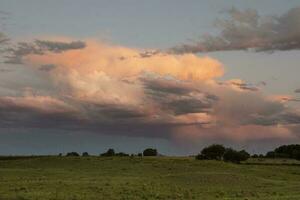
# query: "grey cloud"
(242, 86)
(161, 85)
(248, 30)
(112, 111)
(178, 97)
(189, 105)
(297, 90)
(58, 47)
(286, 118)
(39, 47)
(47, 68)
(19, 114)
(5, 70)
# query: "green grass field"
(93, 178)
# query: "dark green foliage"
(213, 152)
(109, 152)
(140, 154)
(285, 151)
(288, 151)
(150, 152)
(254, 156)
(72, 154)
(121, 154)
(270, 154)
(84, 154)
(244, 155)
(234, 156)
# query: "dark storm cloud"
(178, 97)
(160, 85)
(282, 118)
(39, 47)
(189, 105)
(36, 113)
(112, 111)
(248, 30)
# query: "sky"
(173, 75)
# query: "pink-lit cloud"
(113, 89)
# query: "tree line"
(215, 152)
(111, 152)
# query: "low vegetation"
(214, 174)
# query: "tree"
(72, 154)
(109, 152)
(244, 155)
(150, 152)
(270, 154)
(213, 152)
(84, 154)
(234, 156)
(121, 154)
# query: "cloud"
(47, 67)
(246, 29)
(162, 95)
(39, 47)
(242, 86)
(297, 90)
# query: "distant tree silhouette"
(285, 151)
(84, 154)
(150, 152)
(109, 152)
(234, 156)
(72, 154)
(121, 154)
(213, 152)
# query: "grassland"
(93, 178)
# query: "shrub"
(72, 154)
(121, 154)
(244, 155)
(234, 156)
(254, 156)
(85, 154)
(109, 152)
(270, 154)
(213, 152)
(150, 152)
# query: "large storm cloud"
(112, 89)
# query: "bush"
(150, 152)
(244, 155)
(85, 154)
(213, 152)
(254, 156)
(121, 154)
(109, 152)
(234, 156)
(270, 154)
(72, 154)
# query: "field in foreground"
(93, 178)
